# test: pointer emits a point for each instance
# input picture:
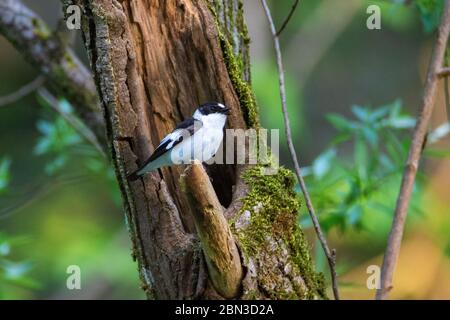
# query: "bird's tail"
(150, 166)
(134, 175)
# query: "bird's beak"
(226, 111)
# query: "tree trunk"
(154, 62)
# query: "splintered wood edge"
(220, 250)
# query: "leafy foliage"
(346, 191)
(4, 174)
(430, 13)
(13, 273)
(57, 137)
(65, 148)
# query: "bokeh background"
(352, 96)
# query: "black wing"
(170, 141)
(175, 137)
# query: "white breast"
(201, 146)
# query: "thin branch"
(22, 91)
(73, 121)
(443, 72)
(48, 53)
(329, 253)
(291, 13)
(447, 98)
(412, 164)
(446, 91)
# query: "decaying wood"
(221, 253)
(154, 63)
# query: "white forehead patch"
(221, 105)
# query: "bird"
(196, 138)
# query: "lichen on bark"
(271, 240)
(267, 224)
(148, 80)
(234, 42)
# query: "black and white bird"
(196, 138)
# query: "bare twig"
(329, 253)
(447, 98)
(22, 91)
(291, 13)
(45, 50)
(74, 122)
(412, 164)
(446, 91)
(443, 72)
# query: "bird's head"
(212, 114)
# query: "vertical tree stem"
(412, 164)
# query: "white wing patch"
(172, 137)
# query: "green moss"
(41, 30)
(235, 67)
(271, 203)
(243, 89)
(274, 206)
(69, 61)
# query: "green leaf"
(430, 13)
(56, 164)
(322, 164)
(58, 139)
(360, 158)
(361, 113)
(340, 138)
(5, 164)
(379, 113)
(340, 122)
(65, 106)
(43, 146)
(346, 191)
(370, 135)
(15, 270)
(354, 214)
(402, 122)
(5, 248)
(394, 108)
(45, 127)
(437, 153)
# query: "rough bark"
(154, 62)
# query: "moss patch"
(267, 224)
(243, 89)
(235, 66)
(272, 208)
(41, 30)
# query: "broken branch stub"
(220, 250)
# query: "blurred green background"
(352, 97)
